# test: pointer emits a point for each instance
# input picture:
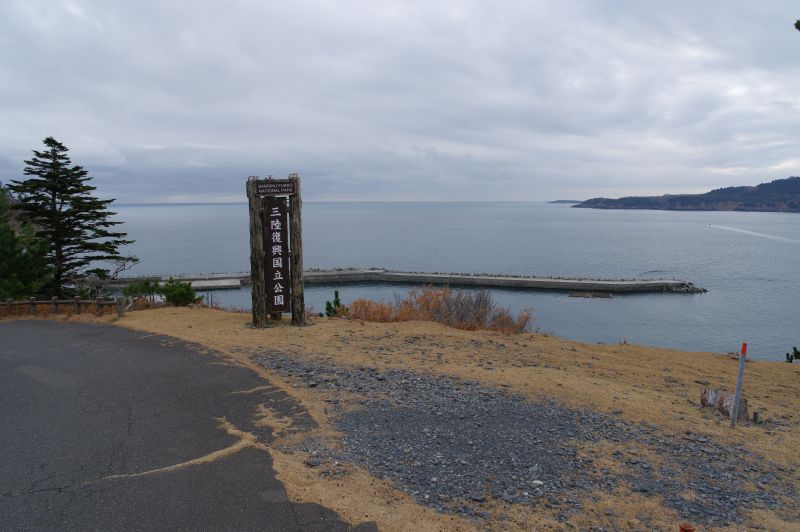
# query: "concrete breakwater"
(222, 281)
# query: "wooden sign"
(276, 272)
(276, 247)
(275, 187)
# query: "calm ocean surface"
(749, 262)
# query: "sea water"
(748, 262)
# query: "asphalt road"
(103, 428)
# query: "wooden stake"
(738, 395)
(257, 256)
(296, 242)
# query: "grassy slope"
(658, 386)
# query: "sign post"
(276, 249)
(258, 289)
(296, 242)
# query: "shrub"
(794, 355)
(364, 309)
(335, 309)
(178, 293)
(461, 309)
(142, 288)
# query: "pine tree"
(23, 257)
(58, 201)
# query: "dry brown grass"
(360, 497)
(658, 386)
(460, 309)
(625, 511)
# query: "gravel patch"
(455, 444)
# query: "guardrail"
(34, 307)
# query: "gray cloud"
(176, 101)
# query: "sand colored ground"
(657, 386)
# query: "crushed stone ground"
(455, 444)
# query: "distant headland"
(781, 195)
(561, 201)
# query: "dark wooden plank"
(296, 242)
(257, 257)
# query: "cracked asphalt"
(106, 428)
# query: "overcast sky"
(167, 101)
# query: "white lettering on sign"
(276, 244)
(271, 187)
